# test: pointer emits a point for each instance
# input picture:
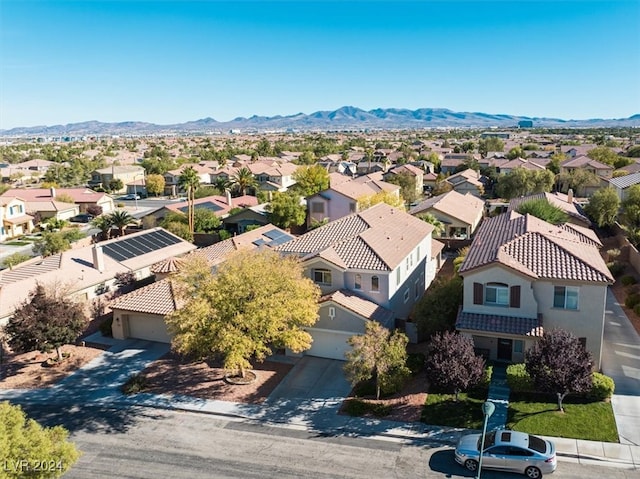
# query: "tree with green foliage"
(50, 243)
(256, 301)
(243, 180)
(311, 180)
(286, 210)
(438, 226)
(556, 160)
(189, 181)
(45, 321)
(452, 365)
(407, 183)
(155, 184)
(263, 148)
(442, 186)
(541, 208)
(23, 439)
(522, 182)
(491, 143)
(634, 151)
(392, 199)
(380, 355)
(438, 308)
(306, 158)
(205, 221)
(103, 223)
(577, 180)
(15, 259)
(603, 155)
(630, 207)
(121, 219)
(603, 207)
(559, 363)
(115, 184)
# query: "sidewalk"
(319, 416)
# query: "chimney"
(570, 196)
(52, 192)
(98, 258)
(228, 197)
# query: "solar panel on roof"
(278, 241)
(259, 242)
(207, 205)
(138, 245)
(272, 234)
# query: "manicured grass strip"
(591, 421)
(17, 243)
(443, 410)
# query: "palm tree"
(222, 183)
(438, 226)
(242, 180)
(121, 219)
(103, 223)
(189, 181)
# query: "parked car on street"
(130, 196)
(511, 451)
(81, 218)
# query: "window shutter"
(514, 300)
(478, 293)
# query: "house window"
(375, 283)
(352, 207)
(496, 294)
(518, 346)
(358, 282)
(332, 312)
(322, 276)
(406, 295)
(398, 276)
(565, 297)
(407, 263)
(418, 255)
(583, 342)
(317, 207)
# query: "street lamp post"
(487, 410)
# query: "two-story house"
(341, 199)
(460, 214)
(467, 181)
(372, 265)
(14, 220)
(523, 276)
(413, 171)
(126, 173)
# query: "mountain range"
(345, 118)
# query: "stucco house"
(460, 214)
(14, 220)
(410, 170)
(467, 181)
(89, 271)
(341, 198)
(141, 313)
(372, 265)
(126, 173)
(82, 197)
(523, 276)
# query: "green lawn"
(17, 243)
(538, 415)
(443, 410)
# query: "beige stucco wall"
(498, 274)
(153, 325)
(337, 275)
(344, 320)
(585, 322)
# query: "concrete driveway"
(621, 361)
(313, 378)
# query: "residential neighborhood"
(414, 237)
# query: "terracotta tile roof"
(355, 189)
(30, 269)
(494, 323)
(169, 265)
(378, 238)
(156, 298)
(582, 161)
(536, 249)
(79, 195)
(18, 219)
(363, 307)
(466, 208)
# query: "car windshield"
(489, 440)
(537, 444)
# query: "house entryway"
(505, 348)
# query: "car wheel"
(532, 472)
(471, 465)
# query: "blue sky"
(175, 61)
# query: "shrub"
(135, 384)
(486, 378)
(105, 327)
(636, 309)
(518, 378)
(632, 300)
(628, 280)
(613, 254)
(616, 268)
(602, 388)
(415, 362)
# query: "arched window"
(375, 283)
(358, 282)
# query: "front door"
(505, 346)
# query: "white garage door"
(329, 344)
(149, 328)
